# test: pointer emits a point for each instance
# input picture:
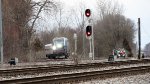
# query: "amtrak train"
(58, 49)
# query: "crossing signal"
(89, 30)
(87, 12)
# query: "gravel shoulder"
(135, 79)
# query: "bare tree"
(19, 20)
(80, 21)
(114, 31)
(106, 7)
(38, 8)
(15, 15)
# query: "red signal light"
(88, 30)
(87, 12)
(88, 33)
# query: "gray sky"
(133, 9)
(139, 9)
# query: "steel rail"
(12, 72)
(76, 77)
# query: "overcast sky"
(133, 9)
(139, 9)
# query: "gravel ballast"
(135, 79)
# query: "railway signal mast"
(1, 35)
(89, 32)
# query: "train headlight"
(54, 47)
(59, 45)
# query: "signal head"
(89, 30)
(87, 12)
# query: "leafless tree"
(114, 31)
(106, 7)
(19, 20)
(79, 20)
(15, 15)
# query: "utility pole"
(1, 35)
(83, 34)
(75, 38)
(93, 41)
(139, 36)
(90, 54)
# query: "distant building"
(147, 50)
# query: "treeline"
(19, 31)
(15, 28)
(111, 30)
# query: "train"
(58, 48)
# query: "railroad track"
(14, 72)
(77, 77)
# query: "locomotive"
(58, 48)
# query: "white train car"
(59, 48)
